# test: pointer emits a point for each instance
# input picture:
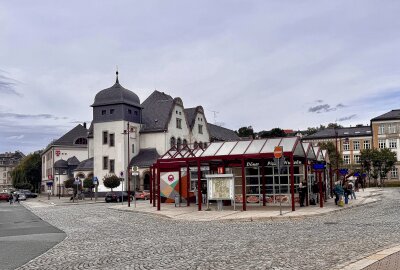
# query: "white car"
(21, 196)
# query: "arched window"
(201, 144)
(184, 142)
(172, 142)
(81, 141)
(195, 144)
(179, 143)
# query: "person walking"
(302, 192)
(338, 191)
(17, 197)
(350, 188)
(10, 198)
(204, 194)
(315, 191)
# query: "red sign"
(220, 170)
(49, 176)
(171, 178)
(278, 151)
(58, 152)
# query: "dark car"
(4, 196)
(116, 196)
(28, 193)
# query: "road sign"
(318, 166)
(95, 180)
(278, 151)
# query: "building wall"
(118, 152)
(156, 140)
(91, 147)
(195, 135)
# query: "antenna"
(215, 116)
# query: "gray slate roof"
(156, 112)
(90, 131)
(218, 133)
(145, 158)
(116, 94)
(73, 161)
(85, 165)
(191, 116)
(61, 164)
(68, 139)
(392, 115)
(342, 133)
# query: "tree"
(88, 183)
(334, 156)
(377, 163)
(273, 133)
(366, 159)
(29, 170)
(23, 186)
(387, 159)
(111, 181)
(245, 132)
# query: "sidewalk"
(367, 196)
(54, 200)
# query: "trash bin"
(177, 200)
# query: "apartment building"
(8, 161)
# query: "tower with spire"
(113, 109)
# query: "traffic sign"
(278, 151)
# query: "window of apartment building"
(392, 128)
(112, 166)
(393, 173)
(200, 129)
(105, 137)
(346, 159)
(367, 144)
(103, 112)
(111, 111)
(381, 144)
(357, 159)
(105, 163)
(129, 111)
(346, 146)
(112, 140)
(178, 123)
(356, 145)
(381, 129)
(393, 143)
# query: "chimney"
(84, 124)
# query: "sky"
(266, 64)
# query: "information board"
(220, 186)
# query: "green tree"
(245, 132)
(69, 183)
(387, 159)
(29, 170)
(111, 181)
(377, 163)
(367, 157)
(273, 133)
(88, 183)
(334, 156)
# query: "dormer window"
(200, 129)
(179, 123)
(103, 112)
(81, 141)
(112, 111)
(129, 111)
(136, 112)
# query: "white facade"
(117, 155)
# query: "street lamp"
(128, 175)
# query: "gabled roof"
(156, 112)
(73, 161)
(90, 131)
(70, 137)
(85, 165)
(341, 133)
(392, 115)
(61, 164)
(191, 115)
(145, 158)
(218, 133)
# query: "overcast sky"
(287, 64)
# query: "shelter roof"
(218, 133)
(145, 158)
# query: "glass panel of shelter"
(254, 183)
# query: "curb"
(371, 259)
(247, 219)
(52, 203)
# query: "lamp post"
(122, 187)
(128, 175)
(337, 154)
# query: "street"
(23, 236)
(102, 238)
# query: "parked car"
(117, 196)
(143, 195)
(4, 196)
(28, 193)
(21, 196)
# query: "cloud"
(29, 116)
(347, 117)
(319, 101)
(16, 137)
(7, 86)
(324, 108)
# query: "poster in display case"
(220, 186)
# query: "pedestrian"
(10, 198)
(302, 192)
(17, 197)
(204, 194)
(350, 188)
(338, 191)
(196, 193)
(346, 192)
(315, 191)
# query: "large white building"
(155, 125)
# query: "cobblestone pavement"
(102, 238)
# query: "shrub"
(69, 183)
(88, 183)
(111, 181)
